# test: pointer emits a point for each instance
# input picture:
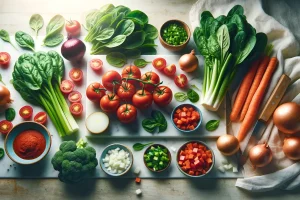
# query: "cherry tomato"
(150, 77)
(110, 103)
(170, 70)
(73, 27)
(96, 64)
(76, 109)
(142, 100)
(159, 63)
(95, 91)
(41, 118)
(5, 126)
(26, 112)
(4, 58)
(126, 113)
(74, 97)
(181, 80)
(111, 79)
(131, 72)
(66, 86)
(126, 91)
(162, 95)
(76, 74)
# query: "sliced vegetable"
(212, 125)
(10, 114)
(157, 158)
(76, 74)
(73, 27)
(159, 63)
(174, 34)
(186, 118)
(4, 58)
(181, 80)
(66, 86)
(41, 117)
(5, 126)
(140, 63)
(170, 70)
(138, 180)
(97, 122)
(116, 161)
(26, 112)
(140, 146)
(96, 64)
(74, 97)
(157, 120)
(76, 109)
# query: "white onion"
(116, 161)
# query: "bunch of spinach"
(120, 30)
(226, 43)
(53, 29)
(37, 78)
(157, 121)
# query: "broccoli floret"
(74, 162)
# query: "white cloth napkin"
(282, 172)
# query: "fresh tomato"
(162, 95)
(74, 97)
(110, 102)
(111, 80)
(66, 86)
(73, 27)
(95, 91)
(126, 113)
(76, 74)
(96, 64)
(181, 80)
(126, 91)
(142, 99)
(41, 118)
(159, 63)
(26, 112)
(170, 70)
(150, 77)
(131, 72)
(5, 126)
(76, 109)
(4, 58)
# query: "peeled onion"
(4, 96)
(291, 148)
(188, 62)
(287, 118)
(228, 144)
(73, 49)
(260, 155)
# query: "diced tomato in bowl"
(195, 159)
(186, 118)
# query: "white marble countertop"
(14, 16)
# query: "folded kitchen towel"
(286, 49)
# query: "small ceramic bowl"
(169, 156)
(198, 142)
(187, 105)
(19, 128)
(172, 47)
(114, 146)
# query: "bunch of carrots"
(251, 92)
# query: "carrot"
(257, 99)
(243, 92)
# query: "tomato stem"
(144, 82)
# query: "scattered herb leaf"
(212, 125)
(24, 40)
(1, 153)
(157, 121)
(194, 86)
(141, 63)
(10, 114)
(180, 96)
(54, 40)
(140, 146)
(5, 37)
(36, 22)
(116, 59)
(1, 80)
(193, 96)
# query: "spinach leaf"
(151, 32)
(116, 41)
(1, 153)
(157, 120)
(243, 47)
(138, 16)
(5, 37)
(237, 9)
(214, 27)
(125, 27)
(204, 16)
(140, 146)
(55, 26)
(105, 34)
(1, 80)
(180, 96)
(10, 114)
(54, 40)
(223, 40)
(135, 40)
(149, 125)
(239, 21)
(116, 59)
(58, 65)
(24, 40)
(141, 63)
(221, 19)
(259, 48)
(116, 21)
(132, 53)
(214, 47)
(194, 86)
(212, 125)
(192, 95)
(36, 22)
